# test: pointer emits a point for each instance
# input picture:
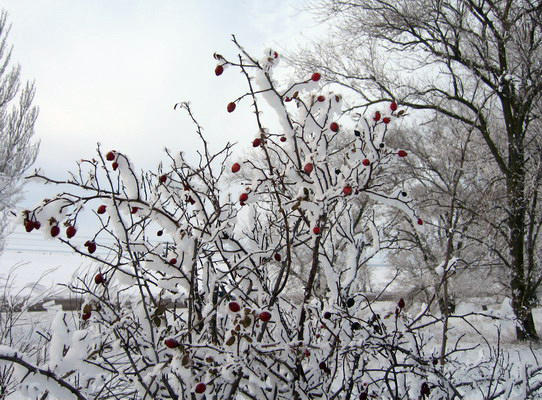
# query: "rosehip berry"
(401, 303)
(425, 389)
(308, 168)
(162, 179)
(277, 257)
(316, 230)
(28, 225)
(234, 306)
(283, 138)
(115, 165)
(386, 120)
(200, 387)
(99, 279)
(347, 190)
(334, 127)
(316, 77)
(393, 106)
(321, 98)
(327, 315)
(91, 247)
(86, 316)
(377, 116)
(55, 231)
(219, 70)
(37, 225)
(173, 261)
(71, 231)
(101, 209)
(420, 221)
(265, 316)
(171, 343)
(243, 197)
(402, 153)
(235, 167)
(366, 162)
(322, 365)
(110, 156)
(256, 142)
(231, 107)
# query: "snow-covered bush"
(238, 277)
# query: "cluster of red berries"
(112, 156)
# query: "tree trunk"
(522, 296)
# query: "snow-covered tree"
(195, 295)
(474, 61)
(17, 119)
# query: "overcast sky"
(111, 71)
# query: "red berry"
(28, 225)
(327, 315)
(377, 116)
(347, 190)
(243, 197)
(307, 353)
(134, 210)
(91, 247)
(86, 316)
(71, 231)
(366, 162)
(256, 142)
(283, 138)
(322, 365)
(393, 106)
(234, 306)
(235, 167)
(162, 179)
(334, 127)
(231, 107)
(55, 230)
(308, 168)
(101, 209)
(386, 120)
(275, 54)
(110, 156)
(115, 165)
(402, 153)
(173, 261)
(171, 343)
(218, 70)
(363, 396)
(200, 387)
(287, 99)
(277, 257)
(321, 98)
(316, 77)
(316, 230)
(37, 224)
(420, 221)
(401, 303)
(265, 316)
(99, 279)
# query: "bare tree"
(17, 119)
(474, 61)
